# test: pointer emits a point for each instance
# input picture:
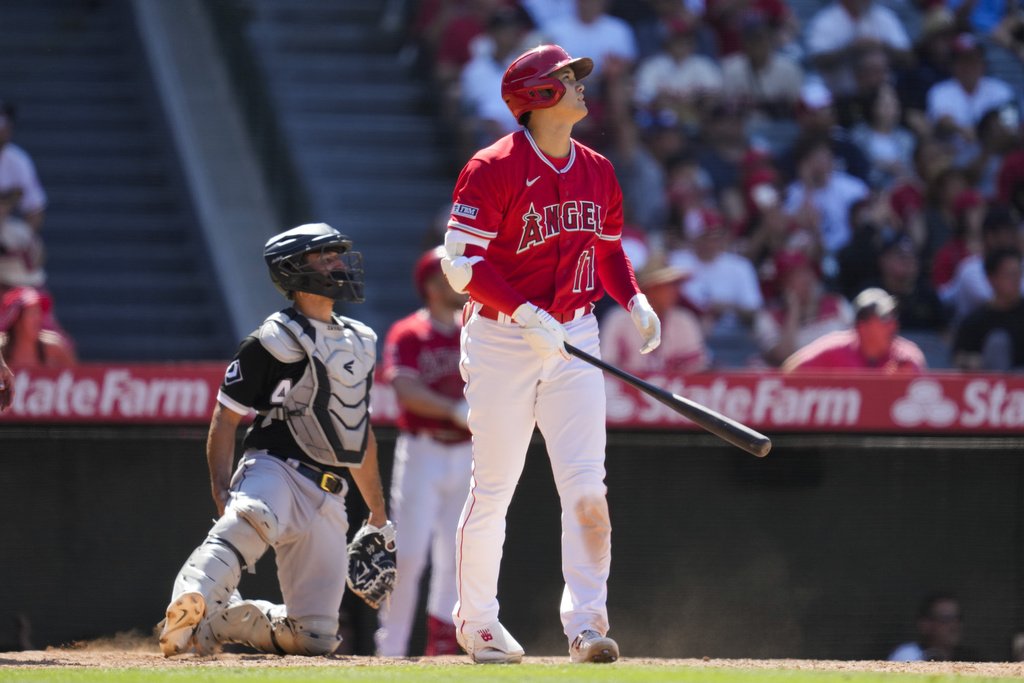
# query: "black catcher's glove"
(372, 568)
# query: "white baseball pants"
(510, 389)
(428, 487)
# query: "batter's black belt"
(328, 481)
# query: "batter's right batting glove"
(372, 563)
(646, 322)
(544, 334)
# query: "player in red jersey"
(534, 238)
(871, 345)
(432, 459)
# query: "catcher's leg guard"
(253, 623)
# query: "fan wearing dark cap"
(992, 336)
(899, 273)
(872, 344)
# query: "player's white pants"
(428, 487)
(509, 388)
(309, 541)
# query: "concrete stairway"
(362, 141)
(126, 263)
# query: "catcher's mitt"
(372, 568)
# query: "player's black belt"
(328, 481)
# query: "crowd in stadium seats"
(30, 335)
(783, 156)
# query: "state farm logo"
(925, 403)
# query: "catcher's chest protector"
(328, 409)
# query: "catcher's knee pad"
(236, 530)
(258, 514)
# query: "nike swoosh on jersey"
(529, 183)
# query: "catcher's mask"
(291, 271)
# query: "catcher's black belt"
(328, 481)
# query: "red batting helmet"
(528, 84)
(427, 265)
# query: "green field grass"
(475, 674)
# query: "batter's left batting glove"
(646, 321)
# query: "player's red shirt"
(417, 347)
(547, 223)
(841, 350)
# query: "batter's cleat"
(491, 644)
(591, 646)
(183, 615)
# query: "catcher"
(307, 373)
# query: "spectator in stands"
(454, 50)
(821, 196)
(939, 633)
(592, 31)
(641, 176)
(721, 151)
(933, 51)
(486, 116)
(940, 212)
(899, 273)
(688, 187)
(992, 336)
(872, 344)
(29, 332)
(816, 117)
(969, 211)
(956, 105)
(652, 21)
(837, 33)
(6, 384)
(682, 347)
(871, 71)
(1009, 32)
(723, 285)
(730, 20)
(759, 76)
(970, 287)
(546, 13)
(888, 146)
(20, 189)
(998, 135)
(678, 79)
(801, 311)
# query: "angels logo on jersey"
(571, 216)
(233, 374)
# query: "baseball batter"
(432, 459)
(307, 373)
(534, 238)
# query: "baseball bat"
(725, 428)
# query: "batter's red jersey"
(416, 347)
(841, 350)
(547, 222)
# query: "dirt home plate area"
(138, 654)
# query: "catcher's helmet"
(528, 84)
(427, 265)
(290, 272)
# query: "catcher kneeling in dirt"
(307, 373)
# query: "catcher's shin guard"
(253, 623)
(214, 569)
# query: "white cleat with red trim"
(491, 644)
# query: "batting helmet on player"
(528, 83)
(427, 266)
(290, 272)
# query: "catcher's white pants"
(309, 544)
(428, 487)
(509, 389)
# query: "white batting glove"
(544, 334)
(646, 321)
(460, 414)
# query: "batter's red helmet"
(528, 84)
(427, 265)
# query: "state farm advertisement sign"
(178, 393)
(185, 393)
(833, 402)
